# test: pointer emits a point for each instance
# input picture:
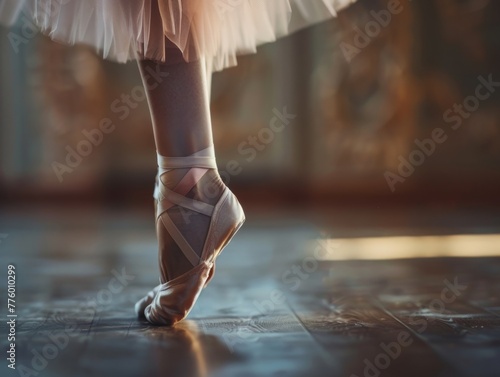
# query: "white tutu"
(122, 30)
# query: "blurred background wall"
(360, 88)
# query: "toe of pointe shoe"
(163, 317)
(141, 305)
(175, 299)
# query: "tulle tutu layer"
(122, 30)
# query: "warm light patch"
(466, 245)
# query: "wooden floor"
(273, 308)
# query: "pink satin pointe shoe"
(174, 297)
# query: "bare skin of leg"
(179, 106)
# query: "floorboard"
(271, 310)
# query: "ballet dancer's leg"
(196, 215)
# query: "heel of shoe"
(227, 217)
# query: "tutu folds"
(122, 30)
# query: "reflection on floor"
(276, 307)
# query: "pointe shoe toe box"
(175, 298)
(141, 305)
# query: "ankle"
(209, 189)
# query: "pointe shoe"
(145, 301)
(172, 300)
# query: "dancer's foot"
(196, 216)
